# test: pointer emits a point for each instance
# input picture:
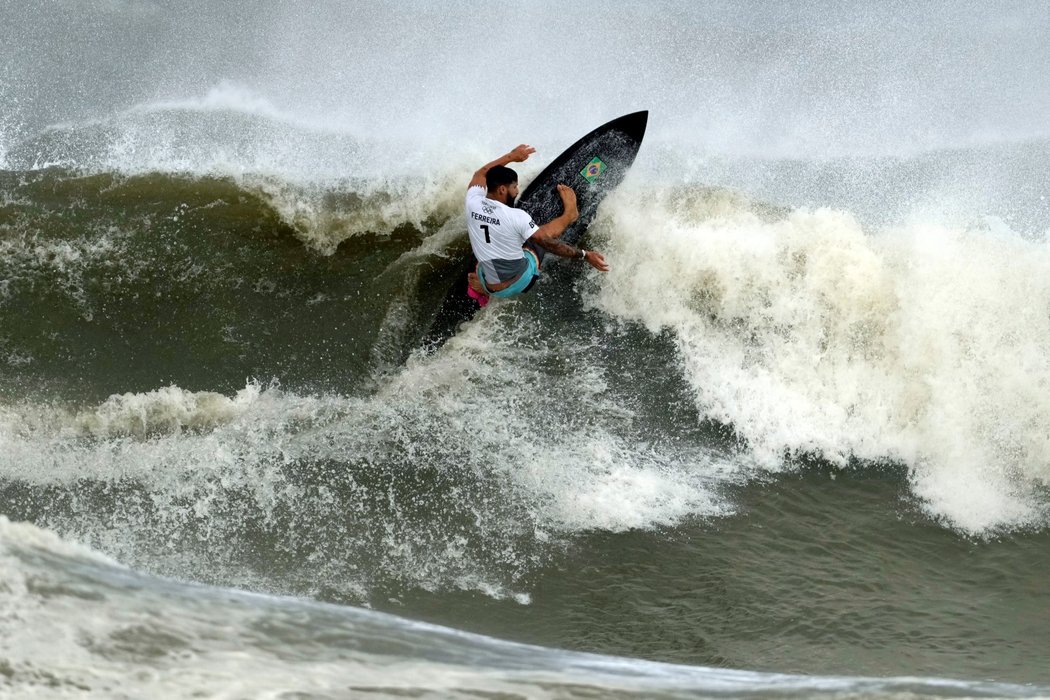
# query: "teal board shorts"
(524, 282)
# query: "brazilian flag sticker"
(593, 170)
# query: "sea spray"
(799, 426)
(809, 335)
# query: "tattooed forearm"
(559, 247)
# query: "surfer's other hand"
(521, 153)
(597, 261)
(568, 200)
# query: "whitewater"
(794, 444)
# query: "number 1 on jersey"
(485, 228)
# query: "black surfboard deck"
(593, 166)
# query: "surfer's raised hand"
(521, 153)
(568, 200)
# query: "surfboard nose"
(632, 124)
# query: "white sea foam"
(325, 215)
(921, 344)
(165, 410)
(595, 476)
(924, 344)
(68, 264)
(76, 624)
(471, 412)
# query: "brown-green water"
(793, 444)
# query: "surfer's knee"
(474, 283)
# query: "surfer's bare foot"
(475, 283)
(568, 200)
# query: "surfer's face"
(508, 193)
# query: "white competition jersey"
(497, 233)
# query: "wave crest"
(919, 344)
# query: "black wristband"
(583, 254)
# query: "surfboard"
(593, 166)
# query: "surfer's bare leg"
(475, 283)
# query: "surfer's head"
(502, 183)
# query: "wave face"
(143, 636)
(799, 428)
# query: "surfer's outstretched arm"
(548, 236)
(519, 154)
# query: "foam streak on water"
(120, 634)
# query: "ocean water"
(796, 443)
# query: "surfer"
(507, 243)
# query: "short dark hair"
(500, 175)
